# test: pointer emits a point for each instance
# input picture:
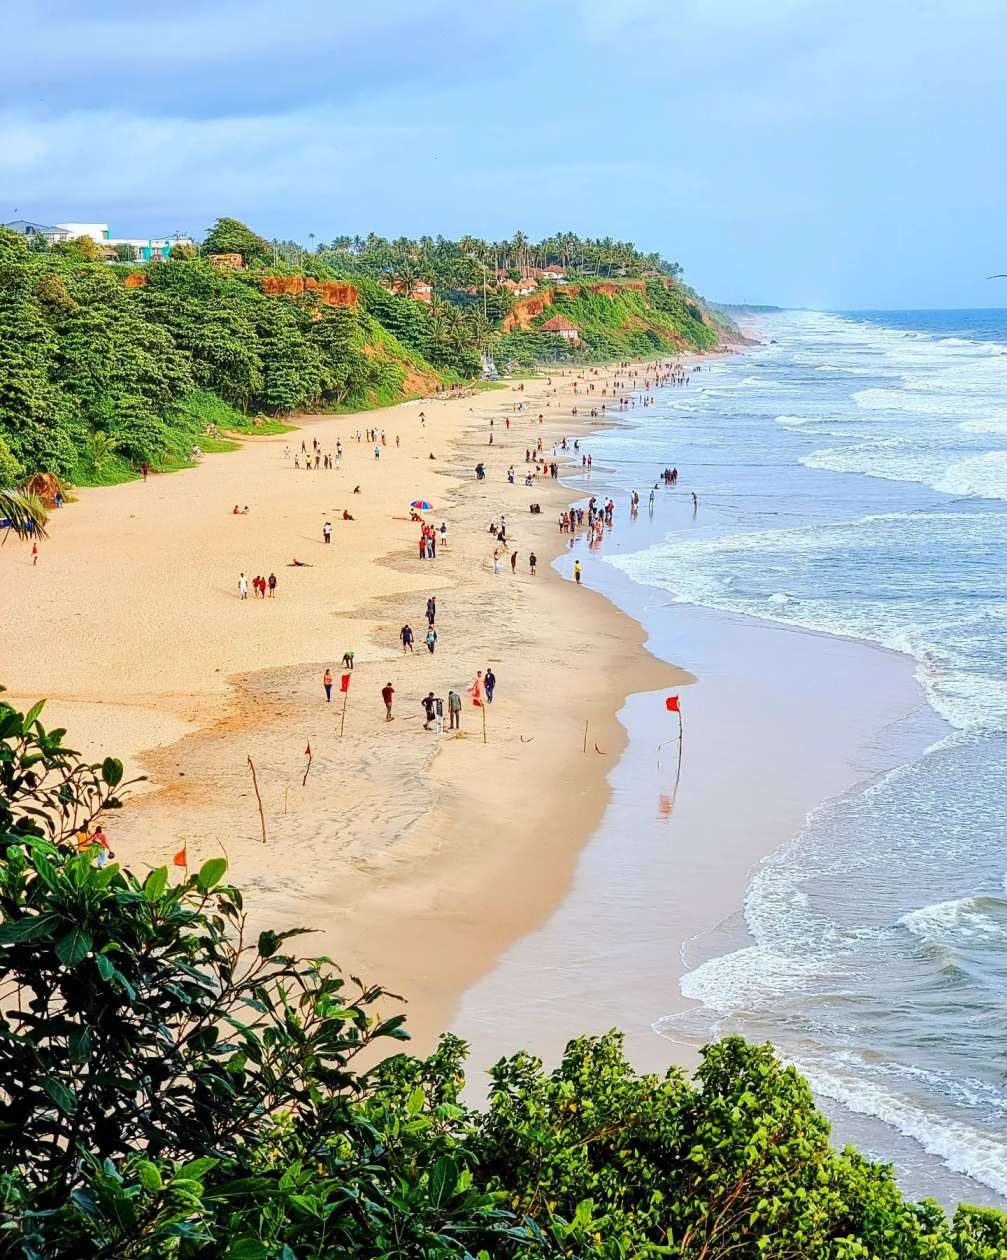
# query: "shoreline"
(419, 863)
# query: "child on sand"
(327, 684)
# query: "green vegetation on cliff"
(174, 1087)
(97, 375)
(106, 366)
(614, 321)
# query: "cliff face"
(524, 312)
(330, 292)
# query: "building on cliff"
(562, 327)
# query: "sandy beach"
(417, 858)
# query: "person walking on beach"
(272, 585)
(406, 635)
(576, 572)
(327, 684)
(454, 711)
(243, 586)
(99, 838)
(476, 690)
(431, 610)
(513, 562)
(327, 531)
(489, 682)
(429, 704)
(387, 692)
(145, 469)
(431, 640)
(532, 563)
(496, 561)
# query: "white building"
(144, 249)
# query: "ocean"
(852, 479)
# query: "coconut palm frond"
(26, 513)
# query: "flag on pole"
(307, 751)
(181, 858)
(344, 683)
(671, 704)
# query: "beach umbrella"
(421, 505)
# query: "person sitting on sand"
(236, 511)
(346, 515)
(356, 489)
(298, 564)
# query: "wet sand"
(776, 721)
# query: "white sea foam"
(961, 1147)
(983, 476)
(962, 920)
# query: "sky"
(830, 153)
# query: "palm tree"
(25, 513)
(102, 449)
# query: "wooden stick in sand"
(255, 784)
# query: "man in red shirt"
(387, 692)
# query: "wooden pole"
(255, 784)
(585, 737)
(342, 717)
(307, 768)
(483, 707)
(678, 773)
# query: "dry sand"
(418, 858)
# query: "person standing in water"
(576, 572)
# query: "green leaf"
(80, 1045)
(111, 771)
(149, 1176)
(442, 1180)
(29, 928)
(416, 1100)
(64, 1098)
(155, 884)
(246, 1249)
(73, 947)
(211, 873)
(33, 713)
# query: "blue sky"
(808, 152)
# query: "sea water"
(852, 479)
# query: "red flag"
(344, 683)
(307, 751)
(181, 858)
(671, 704)
(477, 702)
